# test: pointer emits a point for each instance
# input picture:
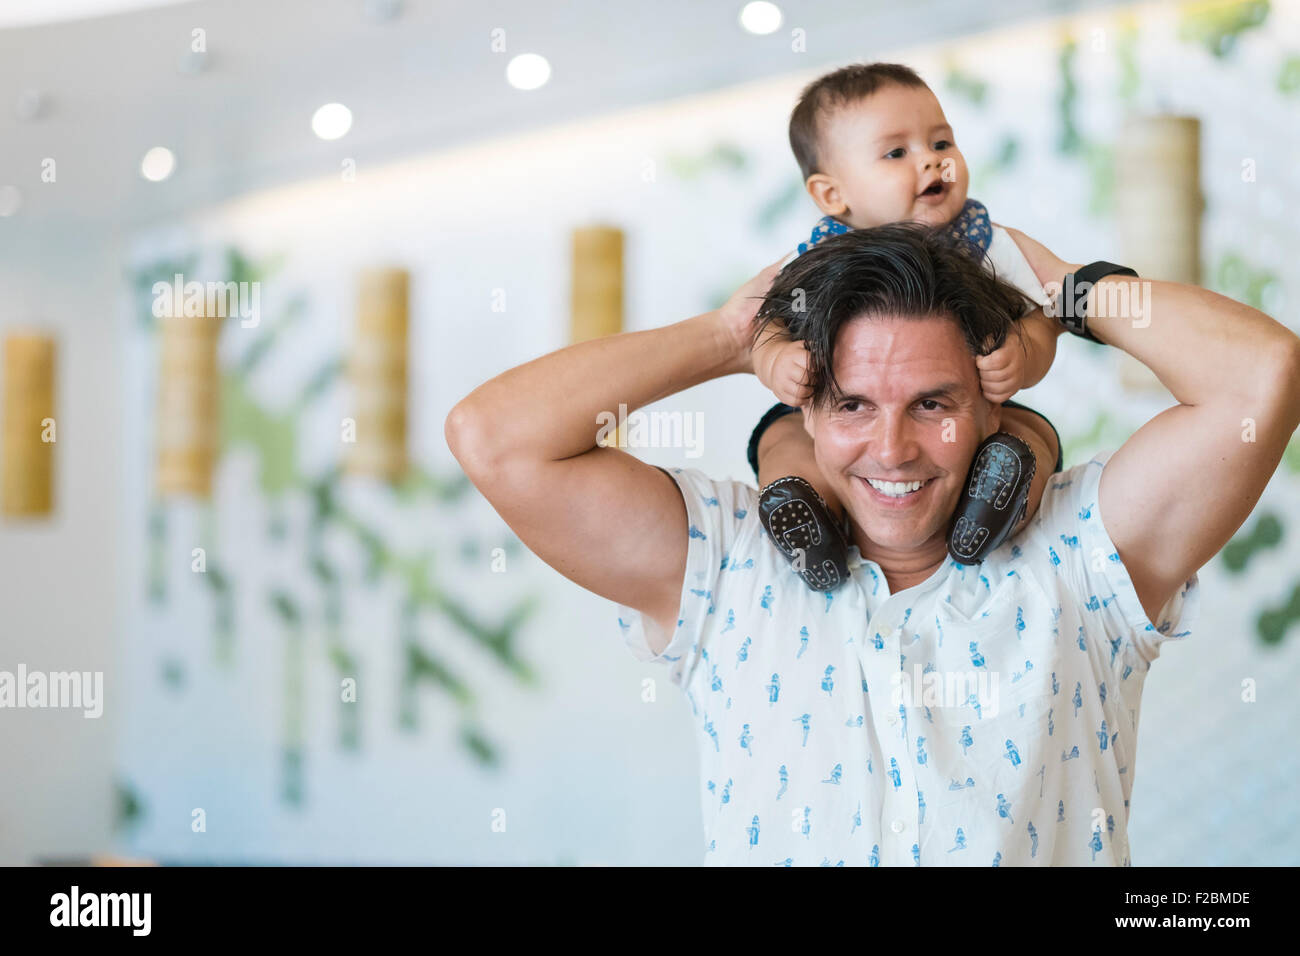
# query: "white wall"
(59, 589)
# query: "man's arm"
(603, 519)
(1182, 485)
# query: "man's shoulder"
(1070, 497)
(1068, 520)
(717, 502)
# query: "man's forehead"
(902, 355)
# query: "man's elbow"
(1285, 381)
(469, 438)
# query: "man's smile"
(896, 494)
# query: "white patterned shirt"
(985, 717)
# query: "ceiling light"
(331, 121)
(760, 17)
(157, 164)
(528, 71)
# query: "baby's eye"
(942, 144)
(895, 153)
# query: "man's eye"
(895, 153)
(931, 402)
(849, 406)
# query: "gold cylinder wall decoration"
(597, 286)
(188, 404)
(29, 429)
(1158, 205)
(377, 368)
(1158, 196)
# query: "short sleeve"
(1071, 519)
(717, 514)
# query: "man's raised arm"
(527, 440)
(1179, 488)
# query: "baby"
(874, 147)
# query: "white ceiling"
(421, 81)
(21, 13)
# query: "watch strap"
(1074, 295)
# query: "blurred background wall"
(497, 717)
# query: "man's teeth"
(895, 489)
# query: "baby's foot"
(797, 520)
(996, 496)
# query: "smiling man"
(927, 712)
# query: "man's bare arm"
(602, 518)
(1182, 485)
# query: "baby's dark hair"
(843, 87)
(900, 270)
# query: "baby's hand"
(782, 365)
(1002, 371)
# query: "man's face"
(894, 158)
(912, 411)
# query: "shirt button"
(897, 826)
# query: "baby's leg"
(1034, 431)
(803, 527)
(786, 449)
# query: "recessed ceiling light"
(331, 121)
(528, 71)
(760, 17)
(157, 164)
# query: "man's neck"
(903, 569)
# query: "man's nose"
(895, 444)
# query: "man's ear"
(825, 192)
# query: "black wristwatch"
(1074, 295)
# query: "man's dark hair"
(843, 87)
(901, 270)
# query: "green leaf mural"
(1216, 24)
(249, 425)
(1288, 77)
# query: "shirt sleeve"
(716, 513)
(1081, 547)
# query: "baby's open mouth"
(934, 189)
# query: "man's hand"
(1049, 268)
(737, 314)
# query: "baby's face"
(893, 158)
